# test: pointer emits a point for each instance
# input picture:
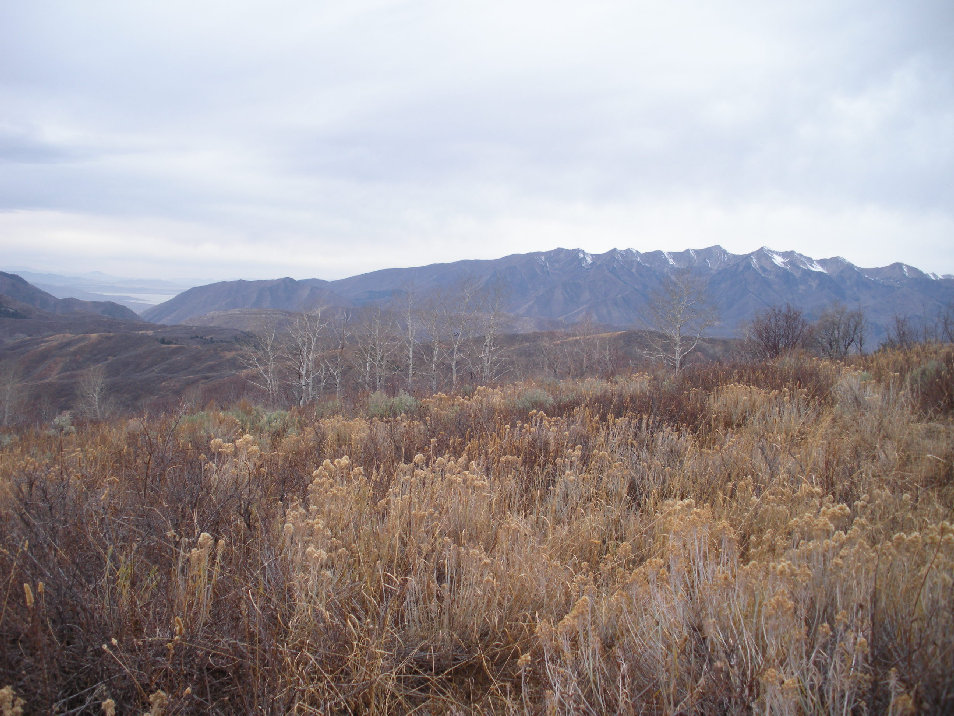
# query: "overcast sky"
(323, 139)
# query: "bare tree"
(586, 343)
(91, 393)
(304, 350)
(11, 393)
(459, 322)
(945, 323)
(265, 358)
(334, 357)
(839, 331)
(549, 354)
(375, 344)
(681, 313)
(489, 318)
(777, 331)
(588, 350)
(411, 323)
(902, 332)
(435, 322)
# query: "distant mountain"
(18, 289)
(612, 289)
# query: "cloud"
(352, 136)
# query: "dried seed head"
(9, 703)
(157, 703)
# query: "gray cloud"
(339, 139)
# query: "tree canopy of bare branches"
(778, 330)
(839, 331)
(681, 312)
(264, 359)
(93, 399)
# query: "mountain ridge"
(613, 288)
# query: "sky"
(223, 140)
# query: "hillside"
(139, 369)
(613, 289)
(19, 320)
(134, 293)
(18, 289)
(281, 294)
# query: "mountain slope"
(20, 290)
(136, 294)
(140, 368)
(283, 294)
(613, 288)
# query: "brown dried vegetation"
(759, 537)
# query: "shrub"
(532, 399)
(63, 424)
(932, 384)
(380, 405)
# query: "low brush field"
(762, 537)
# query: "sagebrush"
(757, 537)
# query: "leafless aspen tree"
(375, 343)
(91, 393)
(945, 323)
(411, 323)
(435, 322)
(489, 318)
(265, 357)
(681, 313)
(11, 393)
(304, 350)
(333, 358)
(460, 317)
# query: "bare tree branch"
(681, 313)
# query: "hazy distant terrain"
(136, 294)
(16, 288)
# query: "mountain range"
(193, 343)
(614, 289)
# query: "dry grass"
(765, 537)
